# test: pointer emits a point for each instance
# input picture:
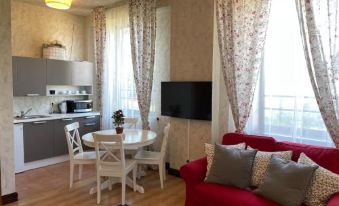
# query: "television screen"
(189, 100)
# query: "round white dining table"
(134, 140)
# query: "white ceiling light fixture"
(59, 4)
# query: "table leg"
(129, 183)
(141, 168)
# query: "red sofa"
(199, 193)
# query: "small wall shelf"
(62, 90)
(68, 95)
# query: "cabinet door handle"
(32, 95)
(90, 124)
(90, 117)
(42, 122)
(66, 120)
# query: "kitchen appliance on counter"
(79, 106)
(63, 107)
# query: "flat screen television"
(188, 100)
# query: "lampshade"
(59, 4)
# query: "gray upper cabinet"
(82, 74)
(32, 75)
(59, 72)
(29, 76)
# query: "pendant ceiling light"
(59, 4)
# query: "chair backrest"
(165, 140)
(130, 122)
(73, 139)
(113, 148)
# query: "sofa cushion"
(324, 184)
(334, 201)
(257, 142)
(207, 194)
(286, 181)
(261, 162)
(209, 150)
(232, 167)
(324, 156)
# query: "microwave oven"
(79, 106)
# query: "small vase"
(119, 130)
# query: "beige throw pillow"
(209, 150)
(261, 162)
(323, 184)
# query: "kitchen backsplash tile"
(39, 105)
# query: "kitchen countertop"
(56, 116)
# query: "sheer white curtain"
(285, 106)
(319, 22)
(118, 85)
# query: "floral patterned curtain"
(99, 19)
(318, 22)
(142, 16)
(242, 29)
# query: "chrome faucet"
(23, 114)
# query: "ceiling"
(79, 7)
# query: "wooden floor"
(49, 186)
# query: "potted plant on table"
(118, 121)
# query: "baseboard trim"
(171, 171)
(6, 199)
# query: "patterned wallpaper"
(191, 60)
(6, 121)
(34, 25)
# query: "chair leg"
(80, 171)
(135, 179)
(161, 174)
(109, 183)
(164, 171)
(123, 189)
(139, 171)
(98, 189)
(71, 175)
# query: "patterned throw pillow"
(323, 185)
(209, 150)
(261, 162)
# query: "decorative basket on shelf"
(54, 50)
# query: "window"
(119, 87)
(285, 106)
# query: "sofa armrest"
(334, 201)
(194, 172)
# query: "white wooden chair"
(155, 158)
(77, 156)
(130, 122)
(113, 162)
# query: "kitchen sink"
(32, 117)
